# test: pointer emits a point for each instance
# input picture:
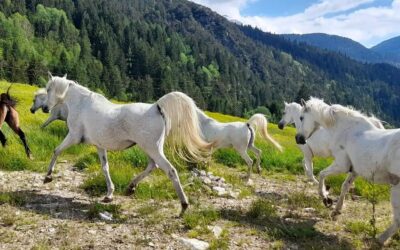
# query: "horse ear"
(303, 102)
(49, 75)
(65, 76)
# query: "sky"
(368, 22)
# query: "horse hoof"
(107, 199)
(327, 187)
(184, 207)
(335, 214)
(47, 179)
(31, 157)
(328, 202)
(130, 191)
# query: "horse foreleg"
(21, 135)
(3, 139)
(106, 171)
(334, 168)
(132, 186)
(257, 151)
(395, 200)
(68, 141)
(49, 120)
(171, 172)
(308, 163)
(345, 188)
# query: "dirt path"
(58, 215)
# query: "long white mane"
(328, 114)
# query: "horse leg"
(171, 172)
(49, 120)
(3, 139)
(68, 141)
(248, 161)
(334, 168)
(308, 163)
(132, 186)
(345, 188)
(257, 151)
(104, 165)
(395, 200)
(21, 135)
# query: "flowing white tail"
(182, 127)
(259, 121)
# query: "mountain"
(138, 50)
(339, 44)
(390, 49)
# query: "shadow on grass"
(64, 208)
(300, 232)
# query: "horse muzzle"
(300, 139)
(32, 111)
(281, 125)
(46, 109)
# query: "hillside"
(390, 49)
(139, 50)
(339, 44)
(280, 210)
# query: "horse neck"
(296, 116)
(75, 94)
(203, 118)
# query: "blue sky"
(366, 21)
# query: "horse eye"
(301, 118)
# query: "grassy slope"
(126, 164)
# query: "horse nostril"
(32, 111)
(280, 125)
(300, 139)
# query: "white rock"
(220, 190)
(105, 216)
(309, 209)
(52, 230)
(206, 180)
(217, 231)
(92, 231)
(234, 194)
(203, 173)
(250, 182)
(193, 244)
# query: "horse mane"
(41, 91)
(327, 113)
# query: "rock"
(91, 231)
(250, 182)
(193, 244)
(203, 173)
(210, 174)
(217, 231)
(105, 216)
(52, 230)
(309, 210)
(234, 194)
(220, 191)
(206, 180)
(151, 244)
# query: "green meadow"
(126, 164)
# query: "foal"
(9, 115)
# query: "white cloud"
(367, 25)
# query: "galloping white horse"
(94, 120)
(239, 135)
(59, 112)
(359, 148)
(318, 143)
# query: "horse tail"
(8, 90)
(7, 99)
(182, 127)
(258, 121)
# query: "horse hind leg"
(22, 136)
(106, 171)
(171, 172)
(257, 151)
(395, 200)
(132, 186)
(3, 139)
(248, 161)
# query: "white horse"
(94, 120)
(318, 144)
(59, 112)
(239, 135)
(359, 148)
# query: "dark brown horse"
(9, 115)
